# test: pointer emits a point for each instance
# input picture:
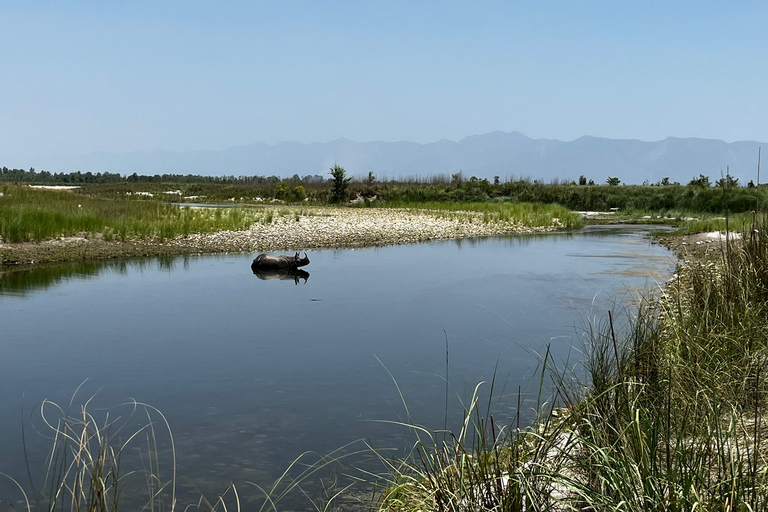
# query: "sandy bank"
(699, 245)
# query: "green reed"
(34, 215)
(526, 214)
(124, 458)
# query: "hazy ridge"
(485, 156)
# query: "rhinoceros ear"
(296, 256)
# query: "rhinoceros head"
(300, 262)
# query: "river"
(252, 372)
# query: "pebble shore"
(350, 227)
(289, 230)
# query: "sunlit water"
(250, 373)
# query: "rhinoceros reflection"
(284, 274)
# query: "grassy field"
(34, 215)
(529, 214)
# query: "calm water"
(252, 372)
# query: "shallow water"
(250, 372)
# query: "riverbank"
(665, 414)
(280, 229)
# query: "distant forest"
(33, 176)
(700, 195)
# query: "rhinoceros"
(268, 262)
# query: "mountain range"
(504, 154)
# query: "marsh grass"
(527, 214)
(103, 464)
(34, 215)
(704, 223)
(666, 414)
(31, 215)
(124, 458)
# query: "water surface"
(252, 372)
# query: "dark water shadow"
(21, 281)
(25, 280)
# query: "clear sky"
(120, 76)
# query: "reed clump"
(102, 464)
(665, 413)
(124, 458)
(527, 214)
(28, 215)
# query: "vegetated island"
(44, 226)
(101, 216)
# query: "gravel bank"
(697, 246)
(300, 229)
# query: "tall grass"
(665, 414)
(103, 464)
(527, 214)
(124, 458)
(34, 215)
(738, 223)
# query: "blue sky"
(83, 76)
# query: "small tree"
(727, 182)
(340, 183)
(582, 180)
(613, 181)
(701, 181)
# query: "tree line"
(77, 177)
(698, 195)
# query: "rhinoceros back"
(268, 262)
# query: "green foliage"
(34, 215)
(727, 182)
(612, 181)
(80, 178)
(697, 197)
(701, 181)
(104, 464)
(288, 193)
(124, 458)
(340, 183)
(527, 214)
